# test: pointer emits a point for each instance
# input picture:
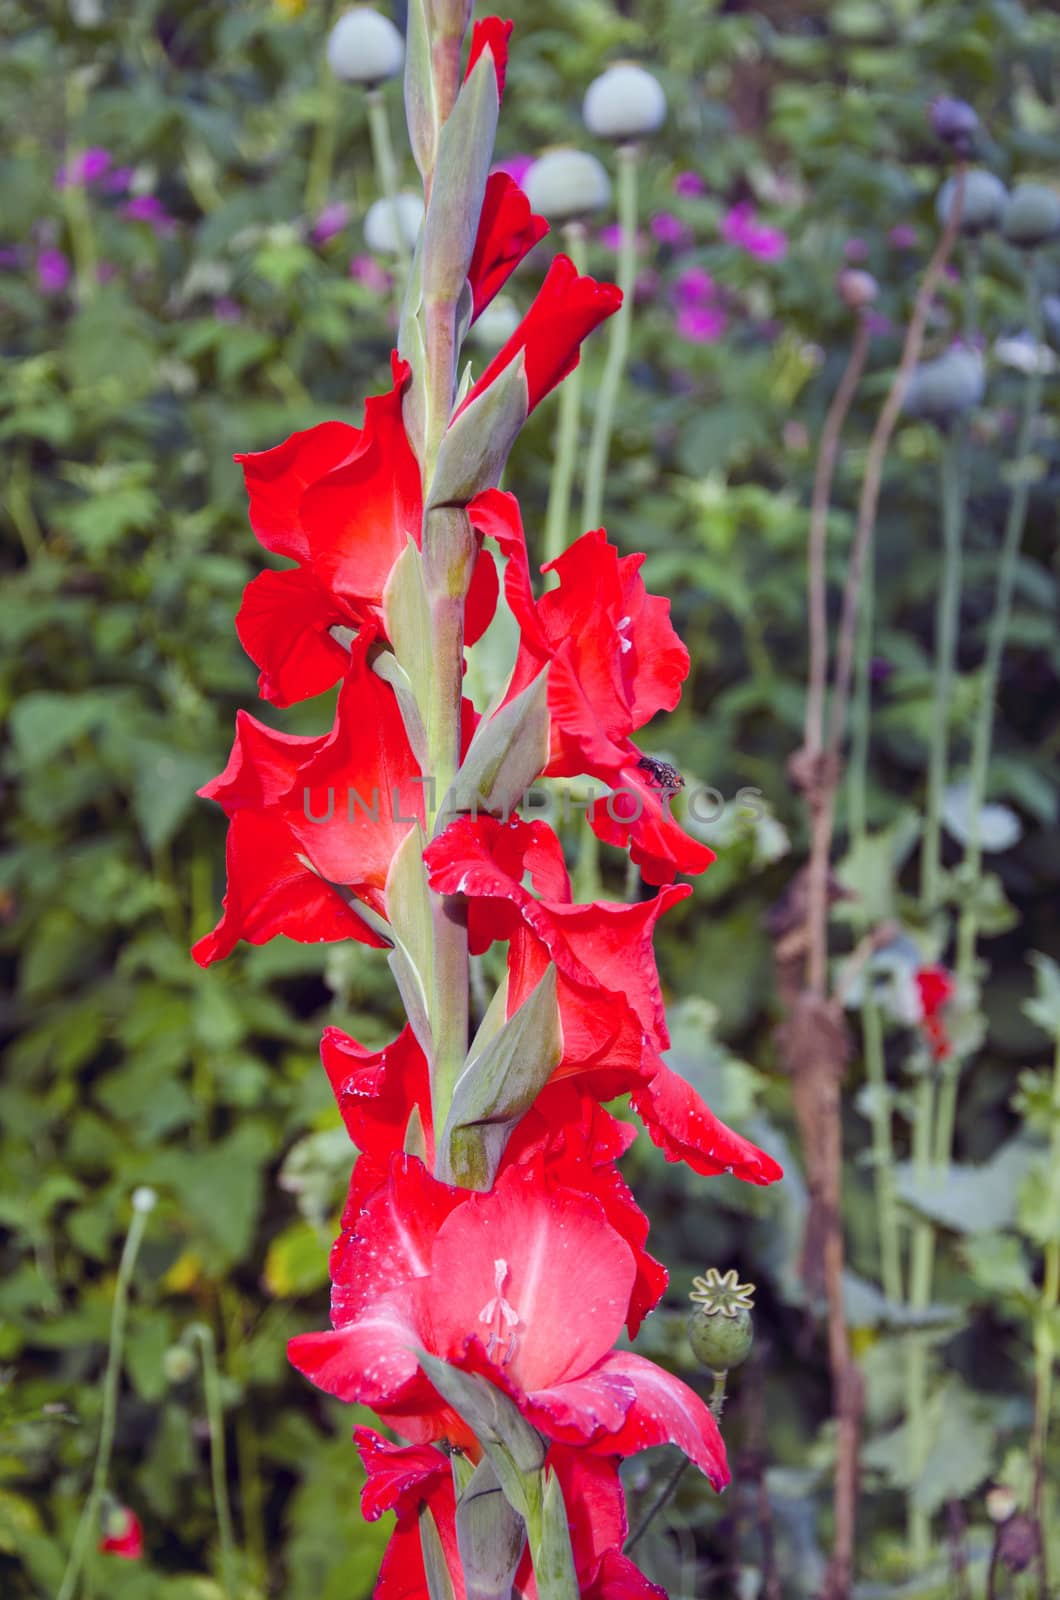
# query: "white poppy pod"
(385, 217)
(984, 201)
(1032, 216)
(567, 185)
(947, 387)
(496, 324)
(624, 103)
(365, 47)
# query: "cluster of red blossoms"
(526, 1281)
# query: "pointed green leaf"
(476, 444)
(499, 1085)
(408, 622)
(550, 1547)
(515, 1449)
(421, 109)
(490, 1536)
(506, 754)
(465, 150)
(435, 1566)
(411, 960)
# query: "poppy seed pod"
(857, 289)
(955, 123)
(624, 103)
(365, 47)
(943, 389)
(381, 225)
(984, 201)
(567, 185)
(720, 1329)
(1032, 215)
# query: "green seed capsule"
(719, 1341)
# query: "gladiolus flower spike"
(490, 1253)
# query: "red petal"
(276, 480)
(283, 626)
(398, 1476)
(270, 891)
(377, 1091)
(371, 1361)
(481, 598)
(358, 519)
(388, 1243)
(493, 34)
(685, 1129)
(508, 230)
(565, 312)
(665, 1411)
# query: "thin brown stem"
(824, 473)
(878, 447)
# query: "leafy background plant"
(221, 321)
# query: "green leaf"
(408, 900)
(515, 1449)
(970, 1199)
(499, 1085)
(1044, 1009)
(490, 1536)
(476, 444)
(508, 750)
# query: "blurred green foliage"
(213, 319)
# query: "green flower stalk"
(143, 1203)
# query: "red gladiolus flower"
(611, 1008)
(936, 989)
(565, 311)
(614, 660)
(525, 1285)
(577, 1141)
(314, 822)
(343, 503)
(493, 34)
(508, 230)
(402, 1478)
(123, 1536)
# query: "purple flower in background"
(119, 180)
(366, 270)
(227, 310)
(647, 285)
(740, 227)
(149, 208)
(88, 166)
(106, 271)
(515, 166)
(10, 257)
(880, 669)
(669, 229)
(701, 324)
(330, 222)
(876, 322)
(689, 185)
(855, 250)
(53, 271)
(694, 286)
(904, 236)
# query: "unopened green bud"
(391, 227)
(720, 1327)
(984, 201)
(1032, 215)
(567, 185)
(624, 103)
(178, 1363)
(365, 47)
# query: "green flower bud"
(567, 185)
(943, 389)
(984, 201)
(178, 1363)
(624, 103)
(381, 225)
(365, 47)
(720, 1327)
(1032, 215)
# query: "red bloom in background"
(527, 1286)
(123, 1536)
(614, 661)
(508, 230)
(342, 502)
(936, 989)
(288, 873)
(401, 1478)
(611, 1007)
(565, 311)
